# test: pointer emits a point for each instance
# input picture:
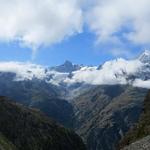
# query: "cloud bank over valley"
(118, 71)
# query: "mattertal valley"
(74, 75)
(78, 97)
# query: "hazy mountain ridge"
(37, 94)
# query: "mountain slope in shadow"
(22, 128)
(141, 130)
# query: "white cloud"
(39, 22)
(112, 72)
(34, 23)
(28, 71)
(23, 70)
(142, 83)
(110, 17)
(117, 52)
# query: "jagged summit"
(67, 66)
(67, 62)
(145, 56)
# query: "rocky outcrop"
(143, 144)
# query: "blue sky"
(83, 34)
(80, 49)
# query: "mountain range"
(118, 71)
(100, 103)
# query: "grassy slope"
(28, 129)
(5, 144)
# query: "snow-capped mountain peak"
(145, 57)
(119, 71)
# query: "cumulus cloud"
(36, 22)
(116, 20)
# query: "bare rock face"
(105, 113)
(66, 67)
(139, 136)
(143, 144)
